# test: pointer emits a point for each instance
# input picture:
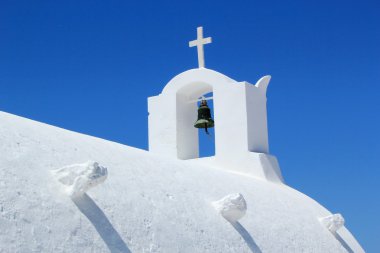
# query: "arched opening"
(191, 142)
(207, 141)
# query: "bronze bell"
(204, 117)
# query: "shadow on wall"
(247, 237)
(344, 244)
(101, 223)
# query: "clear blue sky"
(89, 66)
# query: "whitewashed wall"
(240, 120)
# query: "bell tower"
(240, 115)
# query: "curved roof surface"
(147, 204)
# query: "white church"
(62, 191)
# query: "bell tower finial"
(199, 42)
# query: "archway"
(241, 137)
(239, 113)
(207, 140)
(187, 99)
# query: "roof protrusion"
(333, 222)
(232, 207)
(79, 178)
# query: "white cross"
(199, 42)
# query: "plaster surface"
(241, 135)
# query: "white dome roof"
(147, 203)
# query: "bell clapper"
(206, 129)
(209, 135)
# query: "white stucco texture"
(240, 114)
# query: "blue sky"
(89, 66)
